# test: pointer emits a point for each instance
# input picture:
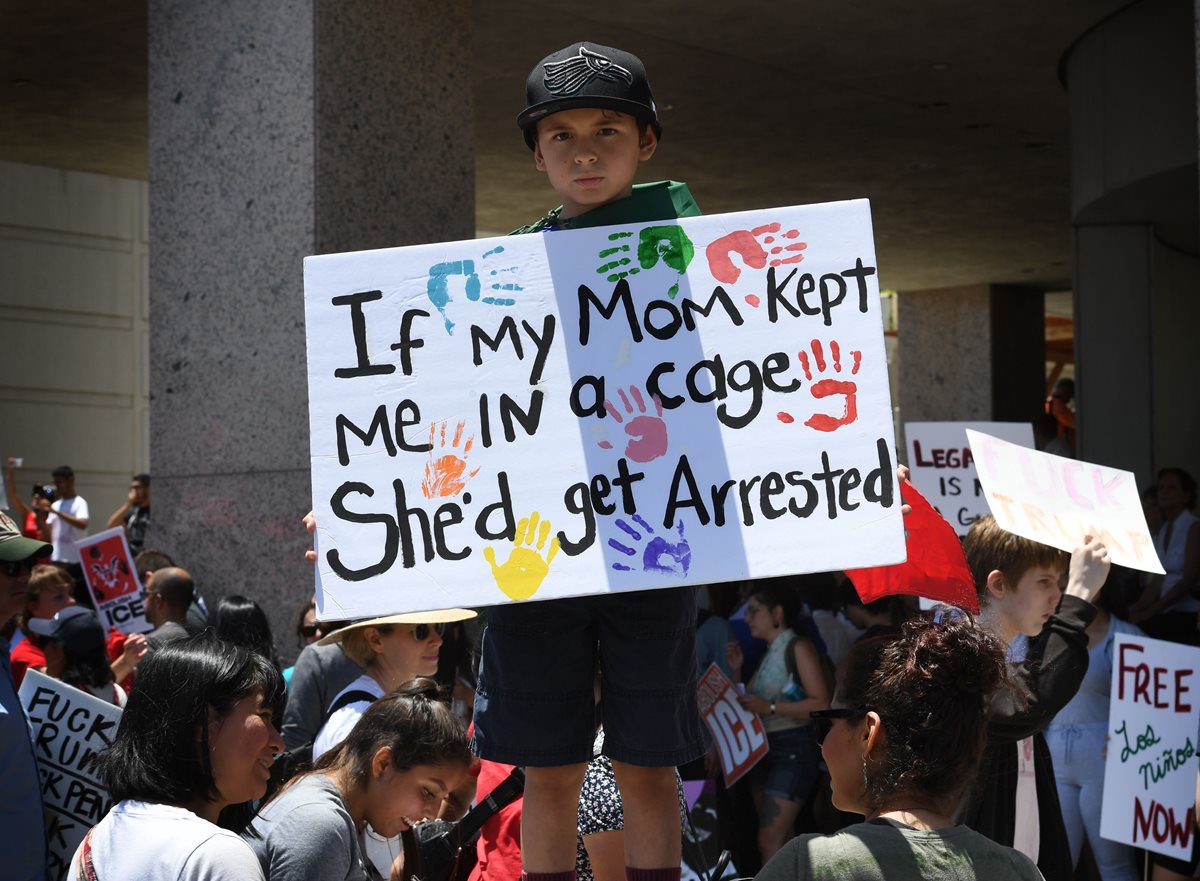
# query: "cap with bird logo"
(587, 75)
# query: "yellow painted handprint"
(523, 573)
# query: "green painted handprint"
(666, 244)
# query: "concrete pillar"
(972, 353)
(1114, 359)
(277, 130)
(1135, 210)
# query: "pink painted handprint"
(647, 433)
(829, 387)
(757, 247)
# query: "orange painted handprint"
(446, 474)
(523, 572)
(757, 247)
(829, 387)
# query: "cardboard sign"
(68, 728)
(1150, 770)
(739, 734)
(942, 467)
(599, 410)
(112, 580)
(1058, 501)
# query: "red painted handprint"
(647, 434)
(829, 387)
(756, 247)
(446, 475)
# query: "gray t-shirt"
(307, 833)
(861, 853)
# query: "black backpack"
(299, 759)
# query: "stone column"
(277, 130)
(1113, 332)
(972, 353)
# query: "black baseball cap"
(587, 75)
(77, 628)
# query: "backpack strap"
(350, 697)
(84, 869)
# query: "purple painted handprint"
(658, 554)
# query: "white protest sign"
(113, 580)
(943, 470)
(68, 727)
(739, 734)
(1058, 501)
(1150, 770)
(599, 410)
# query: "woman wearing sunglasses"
(392, 650)
(903, 742)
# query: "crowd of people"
(551, 742)
(910, 719)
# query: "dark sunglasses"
(421, 631)
(12, 570)
(822, 720)
(309, 630)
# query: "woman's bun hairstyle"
(932, 686)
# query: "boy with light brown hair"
(1015, 801)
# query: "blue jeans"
(1078, 752)
(789, 769)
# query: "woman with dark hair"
(406, 754)
(242, 621)
(903, 742)
(196, 736)
(789, 684)
(1167, 609)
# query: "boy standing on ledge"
(590, 120)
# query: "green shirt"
(661, 200)
(881, 851)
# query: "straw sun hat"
(444, 616)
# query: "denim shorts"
(789, 769)
(535, 702)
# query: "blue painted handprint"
(658, 554)
(500, 279)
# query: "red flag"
(936, 567)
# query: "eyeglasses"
(146, 594)
(421, 631)
(13, 569)
(309, 630)
(822, 720)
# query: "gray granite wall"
(278, 129)
(945, 354)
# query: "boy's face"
(1026, 606)
(591, 156)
